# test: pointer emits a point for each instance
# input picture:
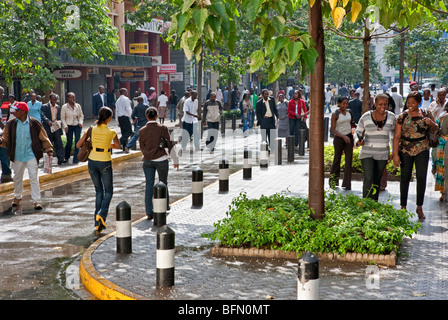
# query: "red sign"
(167, 68)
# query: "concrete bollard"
(302, 139)
(197, 187)
(124, 228)
(264, 155)
(290, 148)
(247, 164)
(159, 204)
(278, 151)
(165, 257)
(224, 175)
(308, 277)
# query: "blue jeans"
(250, 119)
(327, 105)
(76, 130)
(134, 138)
(102, 178)
(150, 168)
(4, 159)
(244, 120)
(172, 112)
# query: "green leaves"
(351, 224)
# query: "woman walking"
(283, 120)
(374, 132)
(297, 113)
(411, 147)
(441, 156)
(341, 126)
(246, 110)
(72, 119)
(154, 139)
(100, 164)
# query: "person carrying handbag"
(154, 141)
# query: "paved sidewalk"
(420, 273)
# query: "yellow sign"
(138, 48)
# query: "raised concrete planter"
(389, 260)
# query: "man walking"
(6, 168)
(139, 118)
(25, 139)
(51, 120)
(266, 114)
(190, 121)
(123, 114)
(180, 107)
(212, 109)
(99, 100)
(328, 96)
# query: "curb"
(389, 260)
(45, 178)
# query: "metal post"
(124, 228)
(197, 187)
(326, 128)
(233, 122)
(224, 175)
(308, 277)
(264, 155)
(247, 165)
(290, 149)
(223, 125)
(302, 138)
(165, 257)
(278, 151)
(159, 204)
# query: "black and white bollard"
(247, 164)
(165, 257)
(264, 155)
(278, 151)
(124, 228)
(159, 204)
(290, 148)
(197, 187)
(308, 277)
(224, 175)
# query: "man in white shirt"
(328, 96)
(398, 99)
(123, 113)
(143, 95)
(360, 90)
(190, 120)
(162, 106)
(219, 95)
(437, 107)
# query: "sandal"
(37, 206)
(15, 202)
(442, 197)
(420, 214)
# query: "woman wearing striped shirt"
(374, 132)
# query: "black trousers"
(212, 138)
(421, 169)
(341, 146)
(373, 171)
(126, 129)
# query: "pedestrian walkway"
(420, 273)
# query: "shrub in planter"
(229, 113)
(351, 224)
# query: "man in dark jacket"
(25, 139)
(139, 118)
(51, 120)
(355, 106)
(266, 116)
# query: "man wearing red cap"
(25, 139)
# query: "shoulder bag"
(86, 147)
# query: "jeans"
(4, 159)
(245, 121)
(134, 138)
(102, 178)
(373, 171)
(250, 119)
(72, 130)
(339, 146)
(327, 106)
(294, 129)
(421, 169)
(172, 112)
(150, 168)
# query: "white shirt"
(145, 98)
(163, 99)
(398, 99)
(328, 96)
(361, 92)
(436, 109)
(425, 103)
(191, 107)
(219, 95)
(123, 107)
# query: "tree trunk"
(402, 43)
(365, 70)
(316, 153)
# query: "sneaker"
(126, 150)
